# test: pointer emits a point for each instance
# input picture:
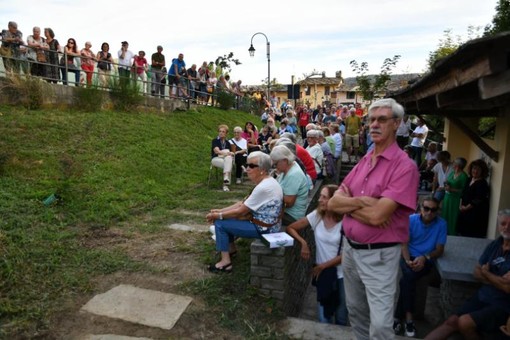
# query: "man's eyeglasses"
(252, 165)
(425, 208)
(380, 119)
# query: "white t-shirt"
(441, 174)
(418, 142)
(128, 59)
(318, 156)
(327, 241)
(242, 143)
(266, 202)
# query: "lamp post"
(252, 53)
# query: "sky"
(320, 35)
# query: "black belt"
(371, 245)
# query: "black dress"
(473, 222)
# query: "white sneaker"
(225, 188)
(238, 181)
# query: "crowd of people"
(374, 240)
(42, 55)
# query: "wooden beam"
(494, 85)
(489, 151)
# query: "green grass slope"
(111, 169)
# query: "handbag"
(5, 51)
(41, 56)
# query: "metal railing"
(57, 70)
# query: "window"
(351, 95)
(326, 91)
(307, 90)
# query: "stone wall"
(56, 95)
(280, 272)
(454, 293)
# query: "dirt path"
(173, 254)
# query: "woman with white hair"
(221, 156)
(315, 151)
(293, 181)
(239, 147)
(258, 214)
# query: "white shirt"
(327, 241)
(418, 142)
(404, 128)
(338, 144)
(317, 155)
(128, 59)
(441, 174)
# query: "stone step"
(303, 329)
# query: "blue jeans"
(70, 70)
(341, 310)
(226, 230)
(408, 287)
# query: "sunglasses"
(252, 165)
(430, 209)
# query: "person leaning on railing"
(104, 64)
(36, 53)
(87, 62)
(67, 62)
(12, 38)
(52, 54)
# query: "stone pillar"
(267, 270)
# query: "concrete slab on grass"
(183, 227)
(109, 337)
(142, 306)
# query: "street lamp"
(252, 53)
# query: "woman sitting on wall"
(260, 213)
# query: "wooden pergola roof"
(472, 82)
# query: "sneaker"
(225, 188)
(238, 181)
(397, 327)
(226, 181)
(410, 330)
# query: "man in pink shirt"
(376, 199)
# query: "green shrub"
(125, 97)
(226, 100)
(88, 99)
(26, 91)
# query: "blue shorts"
(487, 317)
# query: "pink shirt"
(394, 176)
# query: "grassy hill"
(135, 171)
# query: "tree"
(449, 44)
(369, 86)
(225, 63)
(501, 20)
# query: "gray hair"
(263, 160)
(312, 134)
(12, 24)
(503, 213)
(280, 152)
(396, 108)
(290, 136)
(320, 133)
(238, 128)
(288, 143)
